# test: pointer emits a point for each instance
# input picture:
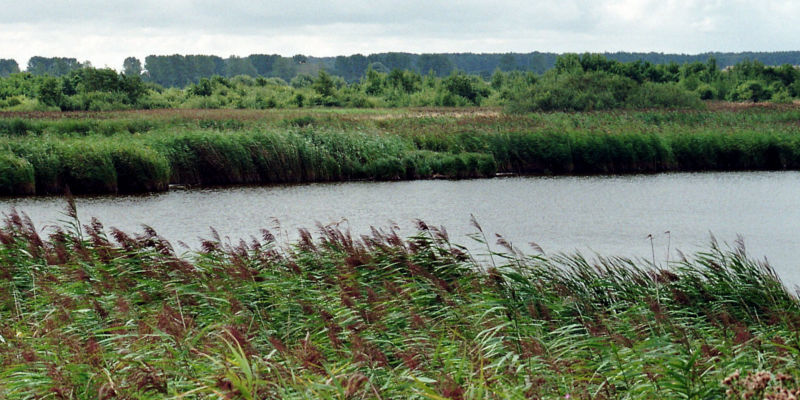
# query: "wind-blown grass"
(90, 313)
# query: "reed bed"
(134, 152)
(95, 313)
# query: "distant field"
(135, 151)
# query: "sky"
(105, 32)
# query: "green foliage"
(49, 92)
(88, 167)
(302, 81)
(575, 92)
(664, 95)
(8, 67)
(139, 168)
(461, 85)
(576, 83)
(52, 66)
(16, 175)
(324, 85)
(145, 151)
(203, 88)
(751, 90)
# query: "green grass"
(90, 313)
(145, 151)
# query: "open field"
(102, 314)
(135, 151)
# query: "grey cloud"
(249, 16)
(97, 29)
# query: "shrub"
(751, 90)
(663, 95)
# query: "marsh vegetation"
(94, 313)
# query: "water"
(594, 215)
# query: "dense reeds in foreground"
(146, 151)
(86, 316)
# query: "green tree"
(407, 81)
(53, 66)
(751, 90)
(8, 67)
(202, 88)
(468, 87)
(132, 66)
(99, 80)
(373, 82)
(507, 62)
(239, 66)
(568, 63)
(301, 81)
(440, 64)
(324, 84)
(49, 91)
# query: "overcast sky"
(106, 31)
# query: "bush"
(706, 92)
(663, 95)
(468, 87)
(575, 92)
(751, 90)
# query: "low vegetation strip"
(90, 313)
(126, 152)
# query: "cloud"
(106, 32)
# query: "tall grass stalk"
(107, 314)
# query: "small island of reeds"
(141, 151)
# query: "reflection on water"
(606, 215)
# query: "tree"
(8, 67)
(465, 86)
(407, 81)
(132, 66)
(568, 63)
(440, 64)
(373, 82)
(301, 81)
(133, 87)
(53, 66)
(324, 84)
(49, 91)
(202, 88)
(751, 90)
(239, 66)
(401, 61)
(508, 62)
(99, 80)
(263, 63)
(284, 68)
(299, 59)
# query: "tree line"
(180, 70)
(575, 82)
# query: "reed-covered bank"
(89, 313)
(136, 152)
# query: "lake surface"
(606, 215)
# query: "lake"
(605, 215)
